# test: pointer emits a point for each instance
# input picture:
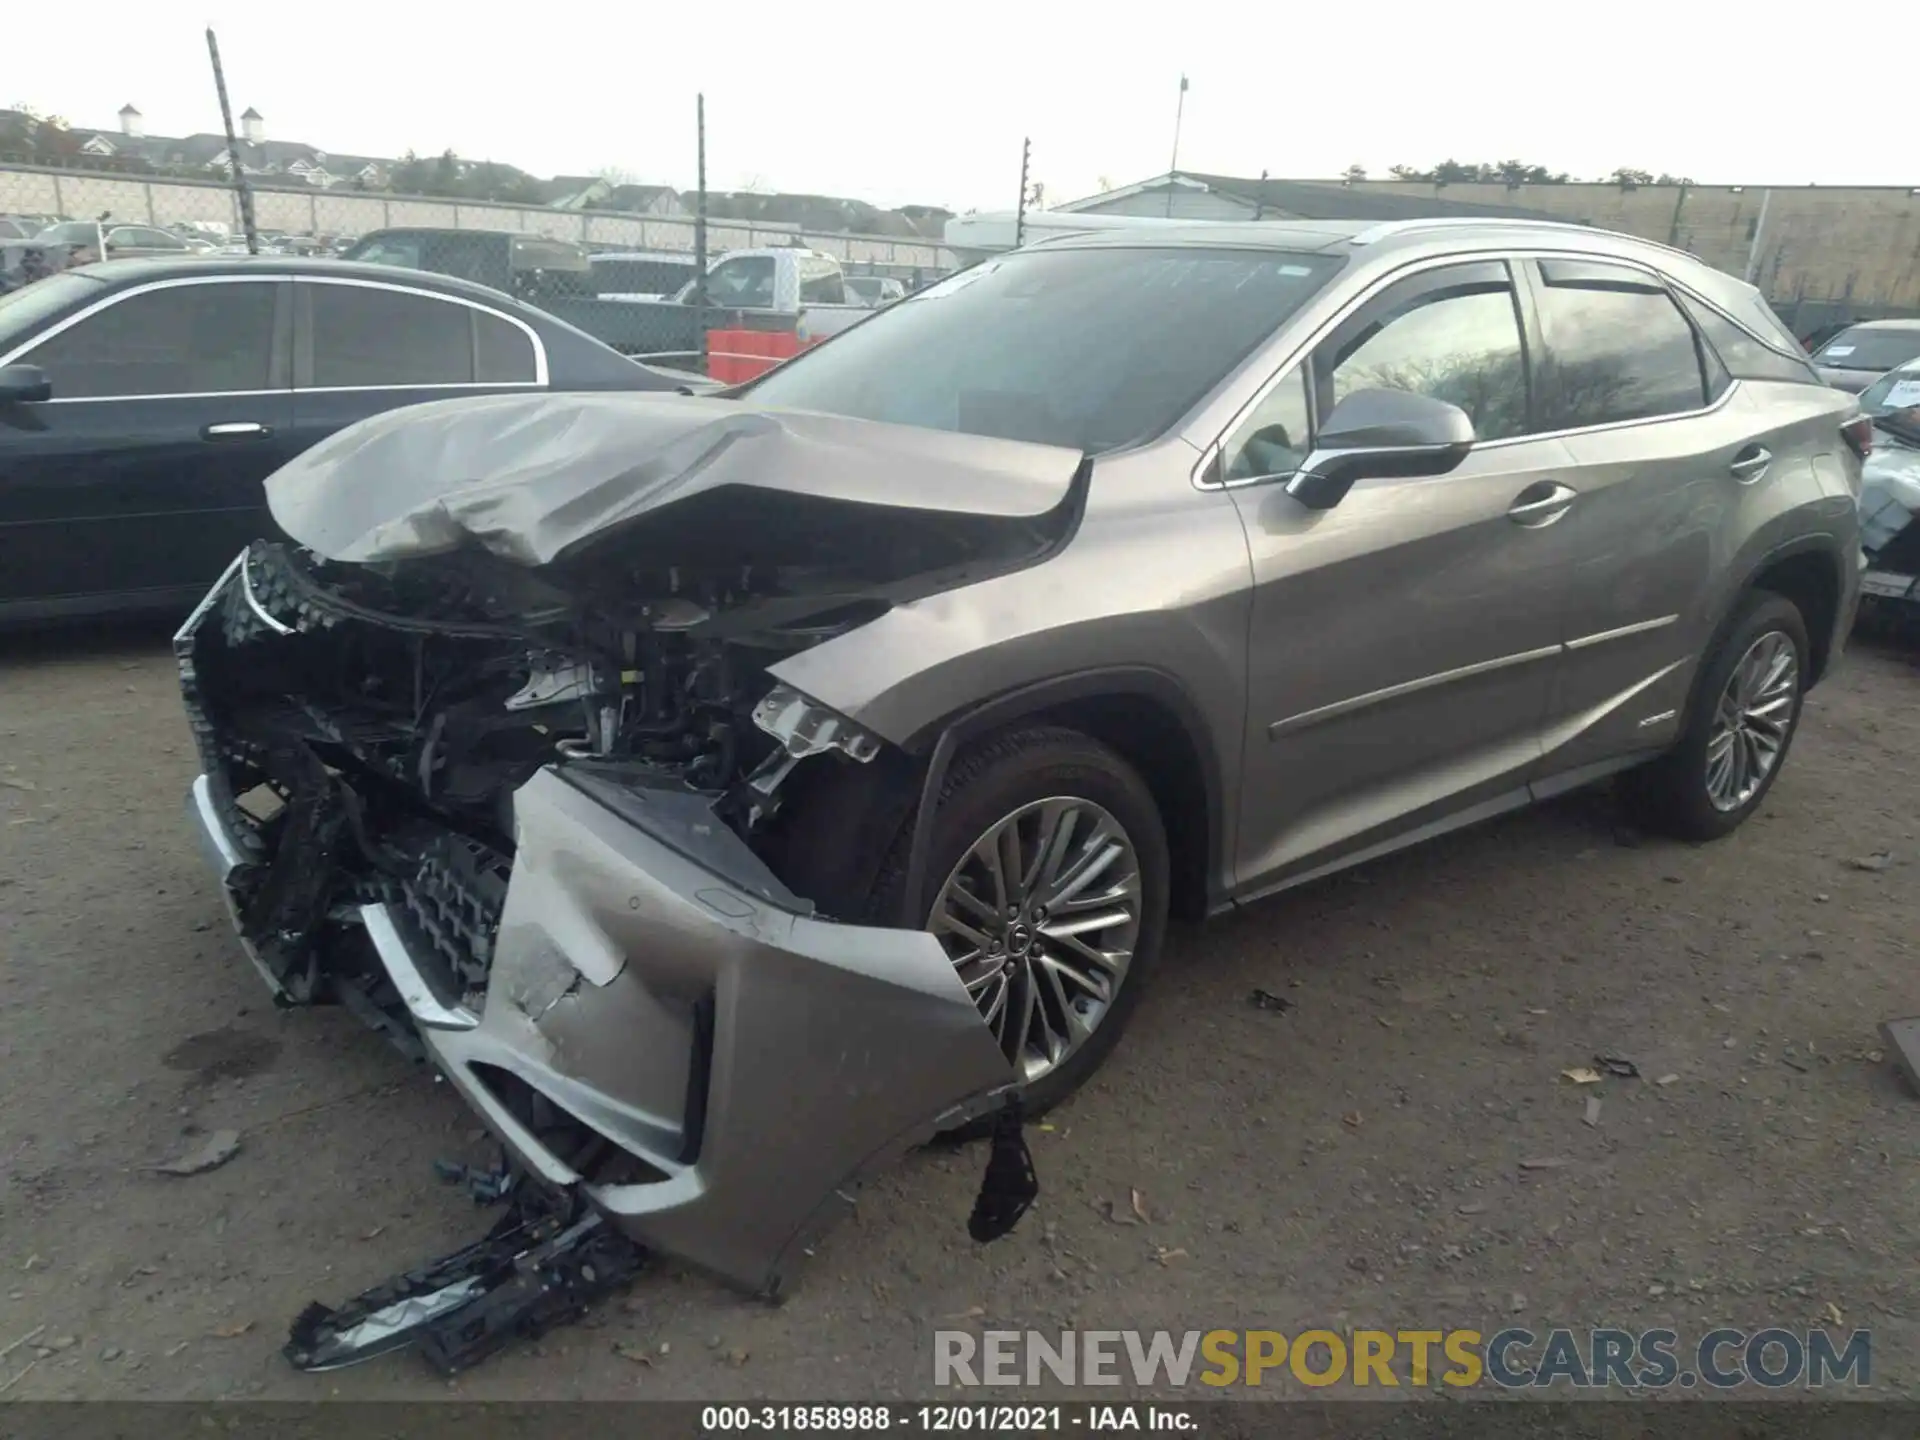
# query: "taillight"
(1858, 433)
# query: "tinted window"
(1274, 439)
(639, 276)
(1745, 356)
(144, 238)
(820, 284)
(1452, 334)
(182, 340)
(1617, 347)
(745, 283)
(1093, 348)
(363, 336)
(1861, 348)
(503, 355)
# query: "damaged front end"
(515, 805)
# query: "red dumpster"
(734, 356)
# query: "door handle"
(1541, 503)
(236, 430)
(1751, 464)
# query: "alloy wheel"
(1752, 721)
(1041, 918)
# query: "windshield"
(21, 310)
(1863, 349)
(1094, 349)
(1893, 393)
(71, 232)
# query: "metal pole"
(1173, 167)
(1020, 214)
(1759, 234)
(700, 221)
(240, 190)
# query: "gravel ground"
(1356, 1160)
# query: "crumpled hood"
(532, 477)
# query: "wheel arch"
(1149, 719)
(1810, 572)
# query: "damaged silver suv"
(728, 792)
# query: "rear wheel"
(1740, 726)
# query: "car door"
(362, 347)
(141, 477)
(1403, 642)
(1661, 443)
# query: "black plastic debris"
(488, 1186)
(543, 1264)
(1267, 1000)
(1010, 1184)
(1617, 1066)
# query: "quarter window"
(1745, 356)
(180, 340)
(821, 283)
(364, 337)
(1274, 439)
(1617, 347)
(1452, 334)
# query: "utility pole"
(240, 190)
(1020, 214)
(1179, 110)
(700, 222)
(1759, 234)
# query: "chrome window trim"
(105, 302)
(539, 348)
(1299, 351)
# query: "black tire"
(986, 781)
(1669, 796)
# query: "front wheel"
(1742, 721)
(1047, 881)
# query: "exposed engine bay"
(382, 716)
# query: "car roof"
(1885, 325)
(143, 269)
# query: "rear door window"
(742, 283)
(202, 339)
(1617, 347)
(362, 336)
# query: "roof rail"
(1388, 228)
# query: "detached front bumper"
(742, 1063)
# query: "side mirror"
(1381, 433)
(24, 384)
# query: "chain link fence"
(628, 279)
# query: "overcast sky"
(927, 102)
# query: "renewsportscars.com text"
(1514, 1358)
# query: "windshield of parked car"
(69, 232)
(1094, 349)
(1895, 394)
(1861, 348)
(23, 309)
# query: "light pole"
(1179, 109)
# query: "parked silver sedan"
(1861, 354)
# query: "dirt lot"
(1355, 1160)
